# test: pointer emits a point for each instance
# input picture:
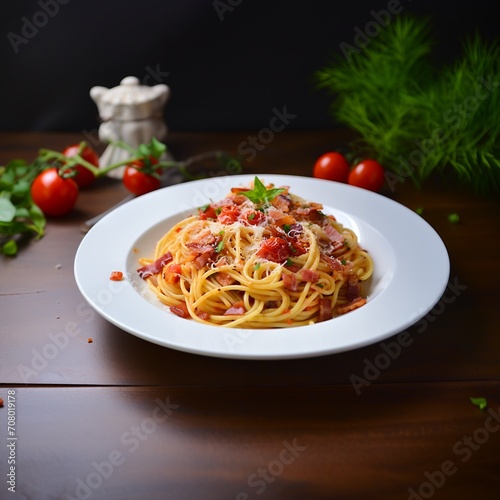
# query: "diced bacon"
(155, 267)
(350, 306)
(203, 315)
(310, 275)
(353, 290)
(205, 237)
(295, 230)
(335, 237)
(236, 309)
(224, 279)
(310, 214)
(180, 310)
(223, 261)
(282, 202)
(239, 199)
(325, 310)
(289, 281)
(285, 220)
(237, 190)
(275, 214)
(200, 248)
(116, 276)
(333, 264)
(202, 259)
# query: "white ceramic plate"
(411, 271)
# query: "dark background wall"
(228, 62)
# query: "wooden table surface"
(123, 418)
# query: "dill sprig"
(418, 119)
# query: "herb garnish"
(18, 214)
(260, 194)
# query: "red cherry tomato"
(332, 167)
(368, 174)
(253, 217)
(274, 249)
(53, 194)
(138, 182)
(84, 177)
(229, 214)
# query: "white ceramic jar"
(132, 113)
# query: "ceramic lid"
(130, 91)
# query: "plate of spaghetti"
(262, 267)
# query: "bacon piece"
(310, 275)
(353, 290)
(335, 237)
(350, 306)
(202, 260)
(224, 279)
(325, 310)
(200, 248)
(180, 310)
(275, 214)
(155, 267)
(116, 276)
(333, 264)
(310, 214)
(236, 309)
(205, 237)
(203, 315)
(289, 281)
(239, 199)
(282, 202)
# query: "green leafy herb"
(343, 262)
(18, 214)
(260, 194)
(419, 210)
(454, 218)
(288, 262)
(219, 246)
(418, 119)
(481, 402)
(257, 266)
(286, 228)
(251, 217)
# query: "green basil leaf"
(10, 248)
(7, 210)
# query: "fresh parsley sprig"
(18, 214)
(260, 195)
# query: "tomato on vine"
(368, 174)
(332, 167)
(138, 182)
(53, 194)
(83, 176)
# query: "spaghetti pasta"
(260, 258)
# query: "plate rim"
(315, 330)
